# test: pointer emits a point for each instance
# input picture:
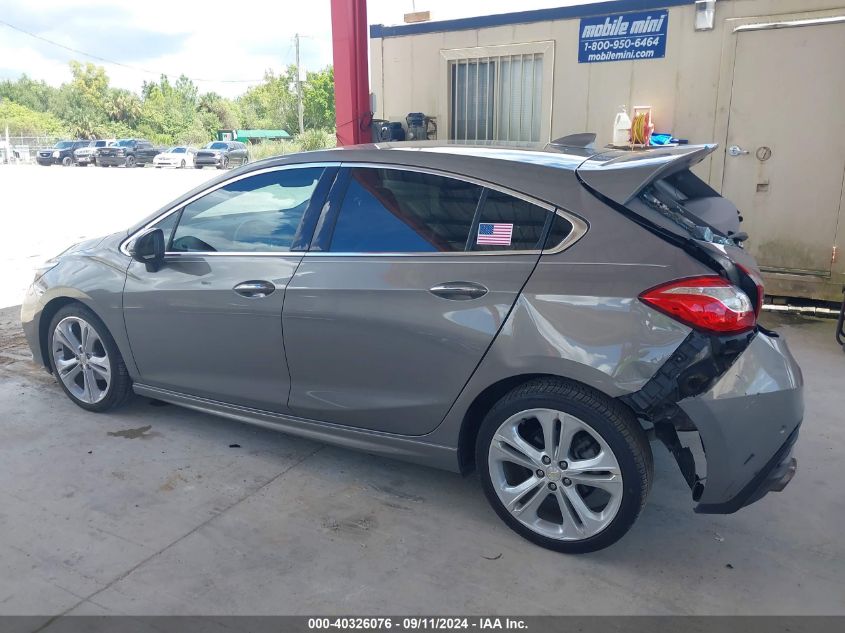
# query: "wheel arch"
(47, 314)
(486, 399)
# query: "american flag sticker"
(494, 233)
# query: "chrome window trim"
(124, 244)
(579, 225)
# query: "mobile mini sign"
(625, 36)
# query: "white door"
(788, 113)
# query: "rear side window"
(507, 223)
(392, 210)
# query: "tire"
(182, 165)
(224, 164)
(597, 429)
(197, 166)
(67, 161)
(105, 393)
(130, 161)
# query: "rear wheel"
(563, 465)
(86, 361)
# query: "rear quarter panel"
(579, 317)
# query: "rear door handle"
(458, 290)
(255, 289)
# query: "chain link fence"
(18, 148)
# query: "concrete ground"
(161, 510)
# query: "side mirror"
(148, 248)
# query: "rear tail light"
(707, 303)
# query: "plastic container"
(622, 128)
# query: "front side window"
(255, 214)
(392, 210)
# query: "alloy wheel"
(81, 360)
(555, 474)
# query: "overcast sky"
(208, 40)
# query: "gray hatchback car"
(537, 315)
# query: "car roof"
(549, 173)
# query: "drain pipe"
(824, 313)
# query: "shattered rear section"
(743, 395)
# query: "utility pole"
(299, 87)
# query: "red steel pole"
(351, 72)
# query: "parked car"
(61, 154)
(537, 315)
(222, 154)
(130, 152)
(179, 156)
(87, 154)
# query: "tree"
(318, 99)
(35, 95)
(28, 122)
(82, 103)
(166, 112)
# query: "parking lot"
(160, 510)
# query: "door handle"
(736, 150)
(254, 289)
(458, 290)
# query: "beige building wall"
(688, 89)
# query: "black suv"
(222, 154)
(60, 154)
(129, 152)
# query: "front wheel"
(86, 361)
(130, 161)
(67, 161)
(563, 465)
(182, 164)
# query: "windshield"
(100, 143)
(176, 150)
(126, 142)
(64, 144)
(217, 145)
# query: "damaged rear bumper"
(748, 422)
(744, 397)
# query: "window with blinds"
(496, 98)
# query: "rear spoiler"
(621, 174)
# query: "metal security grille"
(496, 98)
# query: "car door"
(209, 321)
(241, 153)
(409, 279)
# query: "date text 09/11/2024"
(419, 623)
